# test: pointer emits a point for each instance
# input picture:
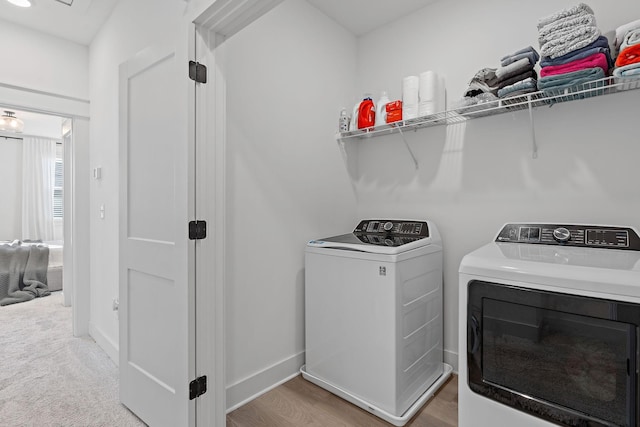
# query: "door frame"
(209, 27)
(76, 166)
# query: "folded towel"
(513, 69)
(529, 74)
(484, 81)
(557, 83)
(532, 57)
(600, 45)
(559, 28)
(631, 38)
(595, 60)
(622, 30)
(573, 40)
(524, 86)
(564, 13)
(627, 71)
(527, 52)
(630, 55)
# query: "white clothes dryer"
(373, 319)
(549, 328)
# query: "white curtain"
(38, 168)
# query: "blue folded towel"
(600, 45)
(558, 84)
(524, 86)
(627, 70)
(527, 52)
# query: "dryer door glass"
(563, 357)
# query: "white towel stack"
(410, 97)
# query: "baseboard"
(253, 386)
(451, 358)
(109, 347)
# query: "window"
(58, 200)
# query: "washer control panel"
(390, 232)
(393, 227)
(590, 236)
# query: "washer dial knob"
(561, 234)
(387, 226)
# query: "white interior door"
(156, 344)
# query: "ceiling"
(37, 124)
(362, 16)
(79, 22)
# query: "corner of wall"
(451, 358)
(257, 384)
(109, 347)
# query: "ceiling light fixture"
(20, 3)
(10, 123)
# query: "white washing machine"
(373, 318)
(550, 328)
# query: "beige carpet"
(50, 378)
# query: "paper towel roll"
(409, 111)
(428, 85)
(410, 89)
(426, 108)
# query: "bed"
(29, 269)
(54, 271)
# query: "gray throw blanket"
(23, 272)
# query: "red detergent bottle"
(366, 113)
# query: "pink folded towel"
(592, 61)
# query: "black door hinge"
(197, 230)
(197, 387)
(197, 72)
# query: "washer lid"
(380, 236)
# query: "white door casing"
(214, 23)
(157, 356)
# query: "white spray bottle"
(381, 112)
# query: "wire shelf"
(547, 97)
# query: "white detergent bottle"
(354, 117)
(381, 111)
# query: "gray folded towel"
(564, 13)
(570, 41)
(513, 69)
(565, 25)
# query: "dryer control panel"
(590, 236)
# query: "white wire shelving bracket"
(547, 97)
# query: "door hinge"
(197, 72)
(197, 230)
(197, 387)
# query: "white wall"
(133, 26)
(40, 65)
(11, 188)
(474, 177)
(287, 75)
(44, 63)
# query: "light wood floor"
(301, 403)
